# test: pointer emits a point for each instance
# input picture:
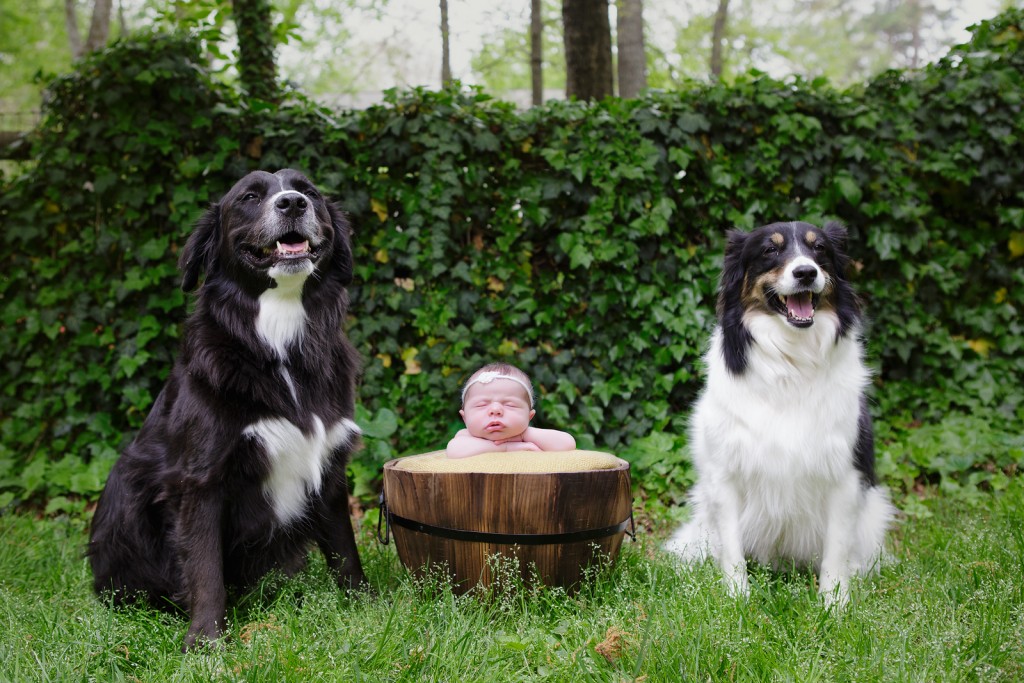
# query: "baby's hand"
(521, 446)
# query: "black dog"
(241, 463)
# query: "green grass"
(949, 608)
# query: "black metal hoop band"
(513, 539)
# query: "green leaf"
(848, 188)
(383, 425)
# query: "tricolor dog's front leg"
(840, 535)
(200, 546)
(724, 514)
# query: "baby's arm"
(464, 444)
(549, 439)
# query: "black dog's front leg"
(337, 541)
(202, 565)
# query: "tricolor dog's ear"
(848, 304)
(837, 237)
(200, 250)
(836, 233)
(733, 271)
(343, 259)
(735, 336)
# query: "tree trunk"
(588, 49)
(446, 64)
(71, 23)
(916, 17)
(256, 67)
(629, 31)
(537, 52)
(99, 28)
(718, 37)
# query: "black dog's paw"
(203, 636)
(355, 582)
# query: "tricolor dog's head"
(787, 269)
(270, 228)
(791, 271)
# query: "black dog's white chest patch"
(297, 460)
(281, 320)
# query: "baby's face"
(497, 410)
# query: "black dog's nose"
(805, 275)
(291, 205)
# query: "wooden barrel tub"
(555, 512)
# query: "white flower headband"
(490, 376)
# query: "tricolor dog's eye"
(770, 250)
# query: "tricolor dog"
(781, 437)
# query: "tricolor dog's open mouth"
(290, 247)
(798, 307)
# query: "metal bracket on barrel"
(383, 518)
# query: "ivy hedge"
(581, 241)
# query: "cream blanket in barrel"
(511, 463)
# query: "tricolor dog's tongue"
(300, 248)
(799, 305)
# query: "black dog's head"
(268, 228)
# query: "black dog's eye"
(312, 194)
(250, 196)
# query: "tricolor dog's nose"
(805, 275)
(292, 204)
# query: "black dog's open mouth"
(797, 307)
(290, 247)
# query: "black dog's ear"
(200, 249)
(342, 243)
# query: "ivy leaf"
(380, 208)
(383, 425)
(692, 122)
(848, 188)
(1016, 244)
(154, 249)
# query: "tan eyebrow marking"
(811, 237)
(778, 239)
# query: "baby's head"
(497, 402)
(502, 372)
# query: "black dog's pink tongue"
(300, 248)
(799, 305)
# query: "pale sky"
(406, 44)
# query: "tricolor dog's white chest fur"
(297, 459)
(792, 415)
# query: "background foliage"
(580, 241)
